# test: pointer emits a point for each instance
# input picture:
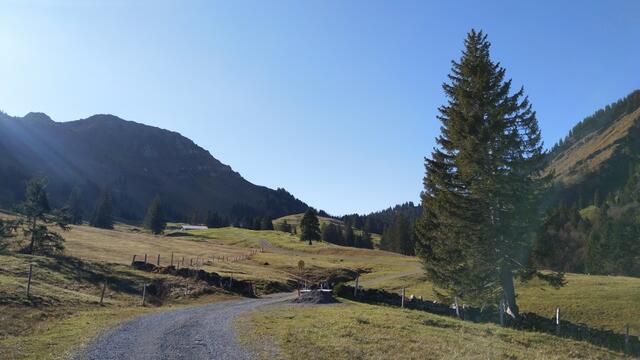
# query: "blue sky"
(333, 100)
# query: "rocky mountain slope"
(134, 162)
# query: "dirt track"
(202, 332)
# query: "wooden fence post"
(402, 301)
(145, 259)
(557, 321)
(144, 292)
(133, 260)
(455, 299)
(158, 262)
(172, 258)
(627, 348)
(501, 310)
(104, 288)
(355, 290)
(29, 281)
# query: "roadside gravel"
(202, 332)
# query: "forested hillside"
(593, 222)
(396, 224)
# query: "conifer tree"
(194, 218)
(35, 217)
(266, 224)
(309, 226)
(215, 220)
(155, 220)
(103, 215)
(7, 230)
(349, 235)
(366, 241)
(284, 227)
(402, 236)
(332, 234)
(74, 204)
(481, 187)
(385, 240)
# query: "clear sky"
(333, 100)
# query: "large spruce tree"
(482, 185)
(310, 226)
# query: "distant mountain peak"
(38, 116)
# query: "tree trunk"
(509, 290)
(33, 237)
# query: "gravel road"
(202, 332)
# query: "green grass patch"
(606, 302)
(359, 331)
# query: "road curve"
(202, 332)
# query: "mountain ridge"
(133, 161)
(595, 153)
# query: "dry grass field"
(63, 311)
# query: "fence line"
(200, 260)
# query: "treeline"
(599, 120)
(377, 222)
(395, 224)
(102, 207)
(249, 220)
(346, 236)
(400, 236)
(105, 213)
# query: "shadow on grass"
(80, 271)
(528, 321)
(98, 273)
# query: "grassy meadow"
(607, 302)
(64, 311)
(359, 331)
(294, 220)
